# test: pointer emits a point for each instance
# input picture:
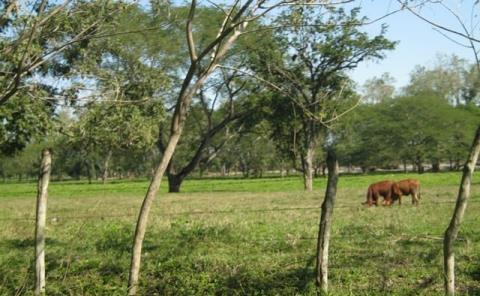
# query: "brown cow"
(388, 189)
(409, 187)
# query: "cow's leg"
(384, 200)
(414, 198)
(388, 200)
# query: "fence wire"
(52, 215)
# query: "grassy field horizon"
(238, 237)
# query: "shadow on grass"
(296, 280)
(422, 250)
(472, 291)
(28, 243)
(111, 269)
(182, 279)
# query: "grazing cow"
(408, 187)
(388, 189)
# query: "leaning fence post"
(41, 217)
(454, 226)
(326, 222)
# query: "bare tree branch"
(191, 44)
(405, 5)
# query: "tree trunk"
(326, 222)
(419, 165)
(189, 87)
(223, 172)
(147, 204)
(174, 183)
(89, 172)
(105, 167)
(244, 168)
(436, 166)
(452, 230)
(178, 122)
(41, 217)
(404, 166)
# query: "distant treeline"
(410, 132)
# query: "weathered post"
(41, 217)
(326, 222)
(452, 230)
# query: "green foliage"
(23, 119)
(32, 36)
(416, 129)
(378, 89)
(116, 126)
(451, 78)
(305, 64)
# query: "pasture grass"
(238, 237)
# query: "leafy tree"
(204, 59)
(32, 35)
(123, 81)
(32, 39)
(378, 89)
(305, 65)
(446, 78)
(107, 128)
(23, 119)
(220, 105)
(471, 88)
(417, 129)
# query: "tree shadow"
(243, 281)
(29, 243)
(426, 257)
(297, 279)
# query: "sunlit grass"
(237, 237)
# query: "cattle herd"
(392, 191)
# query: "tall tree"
(31, 35)
(119, 84)
(471, 87)
(446, 79)
(212, 114)
(378, 89)
(416, 130)
(306, 69)
(203, 62)
(108, 128)
(34, 41)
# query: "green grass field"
(238, 237)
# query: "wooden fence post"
(326, 222)
(41, 216)
(454, 226)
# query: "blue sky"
(418, 42)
